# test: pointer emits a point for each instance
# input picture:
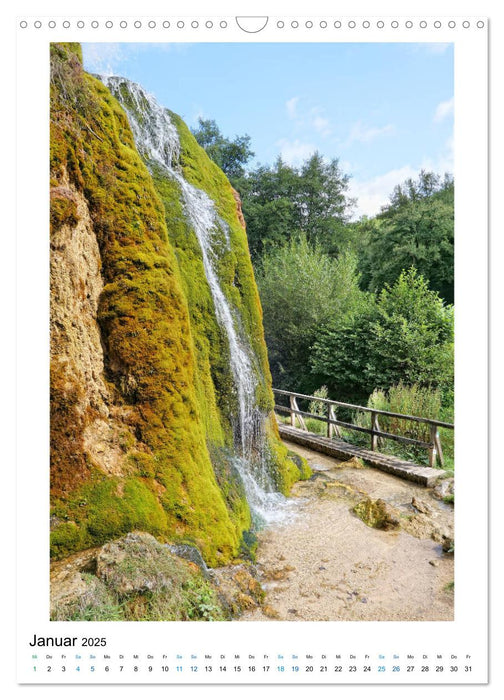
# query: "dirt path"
(329, 565)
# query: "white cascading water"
(157, 140)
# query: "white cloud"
(291, 107)
(374, 193)
(110, 59)
(196, 116)
(308, 118)
(102, 58)
(444, 163)
(436, 48)
(295, 152)
(365, 134)
(321, 124)
(443, 110)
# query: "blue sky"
(385, 110)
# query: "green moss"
(70, 48)
(286, 466)
(146, 333)
(66, 538)
(63, 211)
(377, 514)
(237, 280)
(166, 357)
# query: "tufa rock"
(377, 514)
(445, 488)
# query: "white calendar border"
(471, 340)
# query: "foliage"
(414, 400)
(303, 289)
(230, 156)
(405, 336)
(282, 201)
(415, 229)
(319, 408)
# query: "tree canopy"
(281, 201)
(230, 155)
(415, 229)
(405, 334)
(302, 289)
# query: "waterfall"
(157, 141)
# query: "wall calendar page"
(259, 245)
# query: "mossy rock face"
(168, 485)
(165, 360)
(377, 514)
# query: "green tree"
(230, 156)
(302, 289)
(406, 336)
(415, 229)
(281, 201)
(269, 195)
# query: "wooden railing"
(377, 435)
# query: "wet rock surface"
(330, 565)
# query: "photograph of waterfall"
(252, 309)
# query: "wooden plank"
(425, 476)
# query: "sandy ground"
(328, 565)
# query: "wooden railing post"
(293, 408)
(439, 448)
(332, 429)
(374, 438)
(433, 445)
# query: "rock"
(70, 580)
(353, 463)
(192, 554)
(421, 506)
(269, 611)
(138, 563)
(434, 562)
(277, 574)
(448, 544)
(239, 211)
(238, 588)
(378, 514)
(444, 488)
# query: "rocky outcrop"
(379, 514)
(138, 577)
(143, 402)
